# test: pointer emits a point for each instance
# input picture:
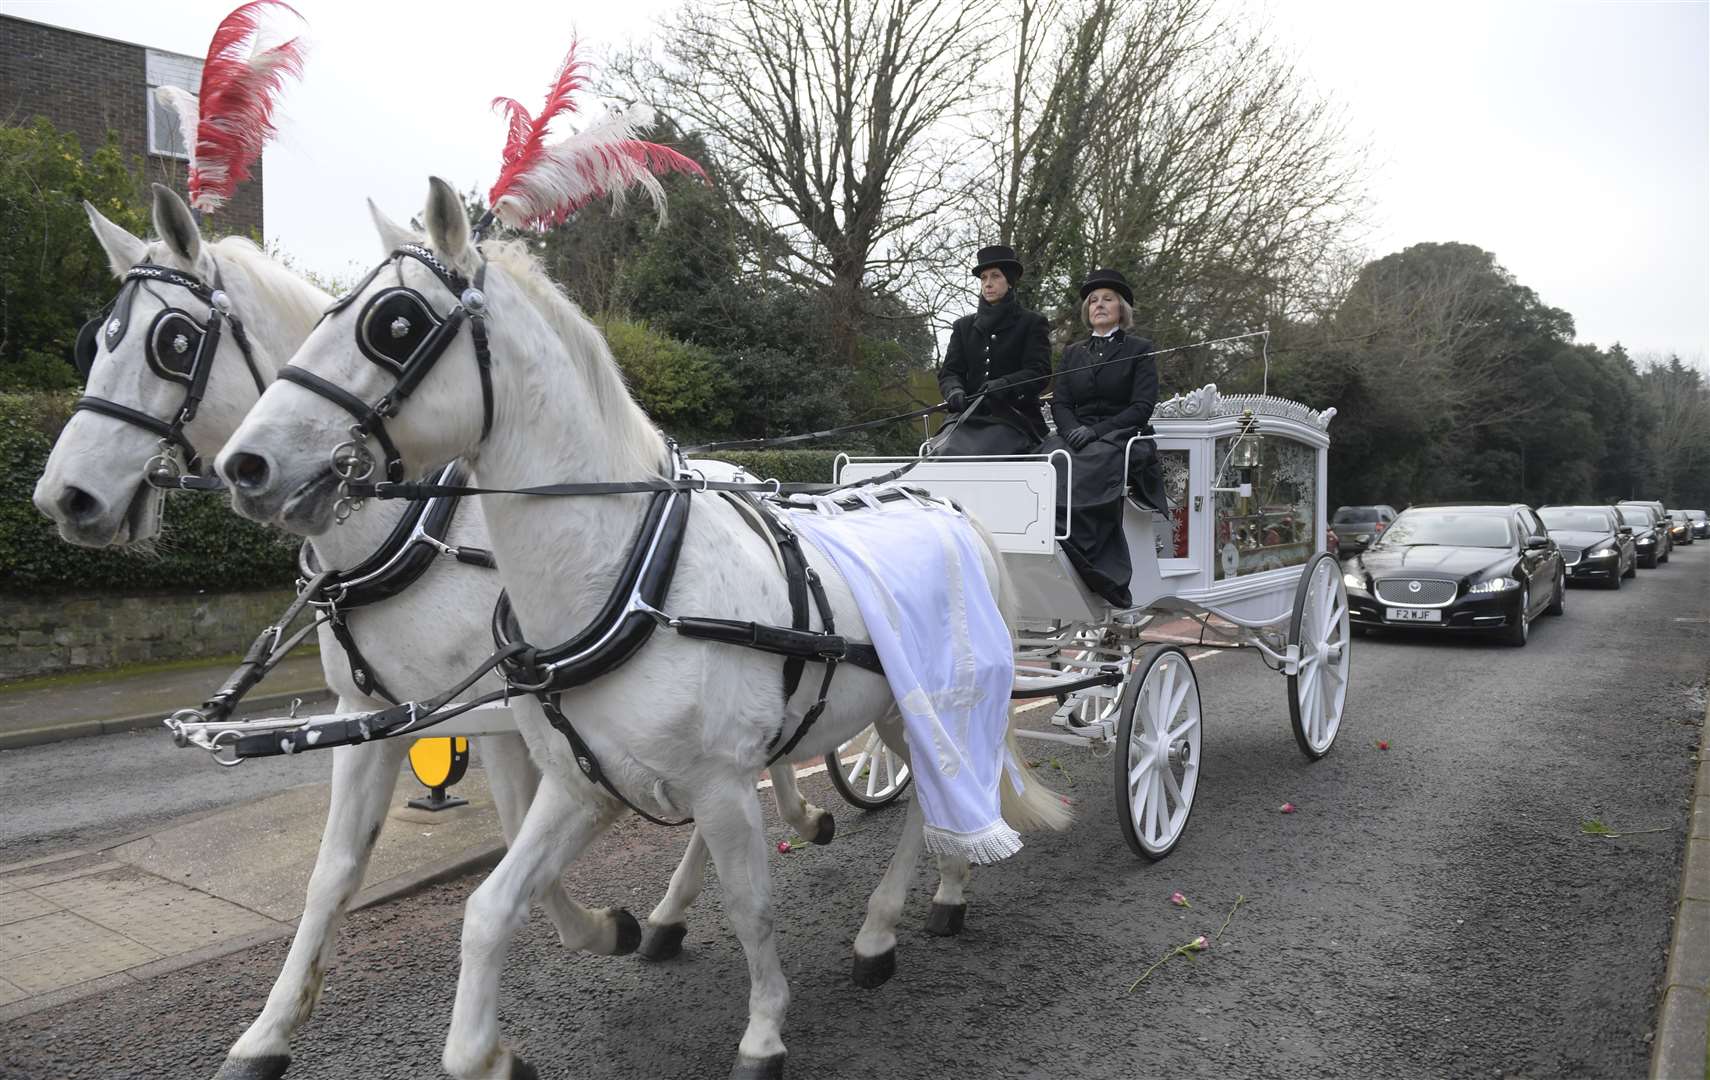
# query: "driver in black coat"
(995, 367)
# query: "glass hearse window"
(1276, 525)
(1576, 520)
(1170, 534)
(1440, 528)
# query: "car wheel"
(1516, 633)
(1558, 604)
(1632, 568)
(1615, 578)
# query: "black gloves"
(1080, 437)
(956, 400)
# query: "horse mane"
(278, 287)
(633, 437)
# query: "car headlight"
(1354, 581)
(1605, 552)
(1495, 584)
(1647, 541)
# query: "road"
(1434, 909)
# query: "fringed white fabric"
(918, 577)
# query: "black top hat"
(1001, 257)
(1107, 279)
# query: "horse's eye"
(173, 342)
(393, 326)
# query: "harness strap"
(418, 490)
(368, 419)
(264, 654)
(588, 763)
(361, 672)
(172, 433)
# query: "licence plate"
(1399, 614)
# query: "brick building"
(90, 85)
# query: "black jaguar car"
(1680, 529)
(1489, 568)
(1595, 545)
(1700, 524)
(1647, 534)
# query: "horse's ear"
(123, 250)
(176, 225)
(392, 234)
(447, 221)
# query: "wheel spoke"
(1155, 807)
(1174, 788)
(1138, 772)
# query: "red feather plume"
(240, 87)
(541, 185)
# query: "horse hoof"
(271, 1067)
(522, 1070)
(771, 1068)
(826, 829)
(628, 932)
(663, 942)
(871, 971)
(945, 920)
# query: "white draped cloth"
(917, 574)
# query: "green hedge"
(203, 545)
(790, 466)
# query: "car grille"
(1570, 556)
(1396, 591)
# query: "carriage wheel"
(1158, 751)
(866, 772)
(1316, 694)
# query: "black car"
(1595, 545)
(1659, 516)
(1459, 568)
(1700, 524)
(1680, 530)
(1647, 536)
(1358, 526)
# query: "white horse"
(93, 488)
(684, 724)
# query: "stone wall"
(46, 636)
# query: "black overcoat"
(1015, 349)
(1109, 385)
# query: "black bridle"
(180, 348)
(398, 330)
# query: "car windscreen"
(1696, 515)
(1636, 516)
(1679, 515)
(1576, 520)
(1447, 528)
(1355, 515)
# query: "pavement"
(196, 886)
(1683, 1018)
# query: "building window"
(165, 137)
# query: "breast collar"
(171, 337)
(416, 540)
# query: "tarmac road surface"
(1435, 909)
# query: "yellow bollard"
(438, 763)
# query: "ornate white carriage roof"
(1207, 403)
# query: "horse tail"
(1026, 802)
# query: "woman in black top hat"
(1103, 396)
(995, 367)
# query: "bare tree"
(1171, 142)
(838, 122)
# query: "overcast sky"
(1572, 139)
